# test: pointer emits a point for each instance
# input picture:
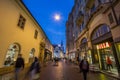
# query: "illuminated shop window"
(11, 55)
(32, 53)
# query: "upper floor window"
(111, 20)
(80, 29)
(104, 1)
(36, 34)
(84, 40)
(93, 8)
(103, 29)
(99, 1)
(21, 22)
(56, 51)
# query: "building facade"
(58, 51)
(20, 33)
(98, 24)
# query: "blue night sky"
(44, 11)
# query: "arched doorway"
(102, 43)
(12, 53)
(31, 55)
(83, 48)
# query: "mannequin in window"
(109, 63)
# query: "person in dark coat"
(35, 69)
(19, 65)
(84, 67)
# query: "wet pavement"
(68, 71)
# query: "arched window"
(12, 54)
(32, 53)
(103, 29)
(84, 40)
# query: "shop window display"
(31, 55)
(106, 57)
(11, 55)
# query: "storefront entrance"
(105, 55)
(107, 60)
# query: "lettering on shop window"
(103, 45)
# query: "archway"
(102, 43)
(31, 55)
(83, 48)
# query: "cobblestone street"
(68, 71)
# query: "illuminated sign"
(103, 45)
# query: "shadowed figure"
(84, 67)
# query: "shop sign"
(103, 45)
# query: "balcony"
(79, 19)
(89, 4)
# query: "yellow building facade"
(20, 33)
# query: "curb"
(114, 76)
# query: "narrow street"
(68, 71)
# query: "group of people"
(34, 70)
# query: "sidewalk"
(96, 70)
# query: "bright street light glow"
(57, 17)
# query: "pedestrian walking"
(35, 70)
(19, 65)
(56, 61)
(84, 67)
